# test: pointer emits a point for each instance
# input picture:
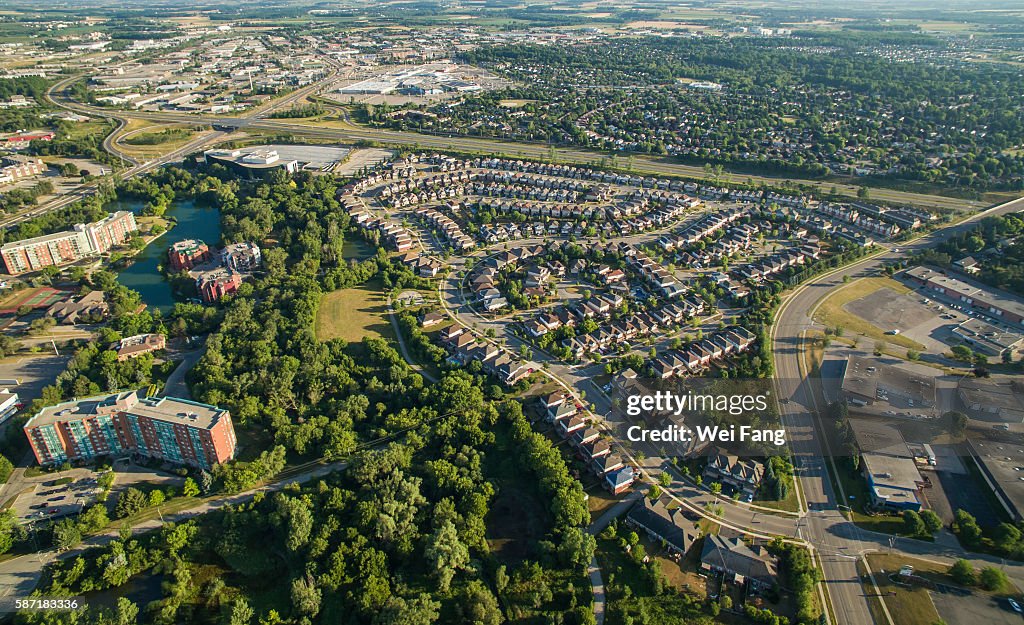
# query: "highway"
(55, 95)
(838, 542)
(346, 132)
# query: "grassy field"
(141, 139)
(831, 313)
(913, 606)
(789, 504)
(351, 314)
(908, 606)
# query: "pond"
(140, 590)
(143, 275)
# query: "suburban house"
(669, 527)
(733, 558)
(743, 475)
(619, 480)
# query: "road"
(19, 576)
(55, 96)
(346, 132)
(87, 189)
(838, 542)
(825, 523)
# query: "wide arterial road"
(825, 524)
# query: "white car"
(1016, 606)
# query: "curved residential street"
(837, 543)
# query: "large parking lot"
(56, 495)
(67, 492)
(979, 609)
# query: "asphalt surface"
(825, 524)
(837, 542)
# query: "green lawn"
(351, 314)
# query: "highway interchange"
(837, 542)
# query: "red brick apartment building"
(185, 255)
(176, 430)
(65, 247)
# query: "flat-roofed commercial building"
(990, 399)
(1001, 465)
(171, 429)
(988, 339)
(868, 381)
(893, 478)
(992, 302)
(251, 162)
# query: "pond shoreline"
(144, 274)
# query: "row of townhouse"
(565, 412)
(395, 236)
(634, 327)
(562, 171)
(669, 198)
(424, 197)
(451, 230)
(659, 277)
(738, 239)
(375, 178)
(777, 263)
(597, 175)
(854, 217)
(524, 192)
(569, 171)
(817, 223)
(498, 233)
(465, 347)
(701, 228)
(906, 218)
(424, 266)
(598, 306)
(425, 183)
(746, 195)
(609, 220)
(539, 181)
(537, 209)
(698, 356)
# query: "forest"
(401, 535)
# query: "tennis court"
(38, 297)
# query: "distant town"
(392, 313)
